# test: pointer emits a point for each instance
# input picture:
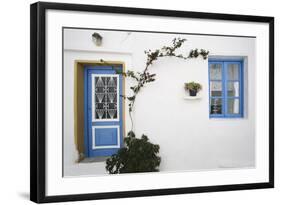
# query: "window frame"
(224, 80)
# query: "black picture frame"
(38, 101)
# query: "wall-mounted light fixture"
(97, 38)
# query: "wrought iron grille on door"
(106, 93)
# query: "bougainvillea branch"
(145, 77)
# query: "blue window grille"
(226, 88)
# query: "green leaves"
(131, 98)
(138, 155)
(195, 53)
(193, 86)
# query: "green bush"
(193, 86)
(138, 155)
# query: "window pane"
(233, 89)
(105, 93)
(215, 88)
(216, 106)
(233, 71)
(233, 106)
(216, 71)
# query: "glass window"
(233, 89)
(226, 88)
(216, 71)
(233, 106)
(215, 88)
(216, 106)
(233, 71)
(105, 95)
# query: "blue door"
(103, 110)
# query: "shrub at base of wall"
(138, 155)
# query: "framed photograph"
(129, 102)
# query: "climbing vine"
(145, 76)
(140, 155)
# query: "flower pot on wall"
(192, 92)
(193, 88)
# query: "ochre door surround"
(79, 100)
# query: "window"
(105, 94)
(225, 88)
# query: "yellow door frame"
(79, 100)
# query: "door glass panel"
(216, 106)
(233, 71)
(215, 71)
(216, 88)
(105, 92)
(233, 89)
(233, 106)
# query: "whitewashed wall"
(188, 138)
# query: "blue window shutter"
(225, 98)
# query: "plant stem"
(145, 77)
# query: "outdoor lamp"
(97, 38)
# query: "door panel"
(103, 110)
(106, 136)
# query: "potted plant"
(193, 88)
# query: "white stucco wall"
(188, 138)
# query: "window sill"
(198, 97)
(226, 118)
